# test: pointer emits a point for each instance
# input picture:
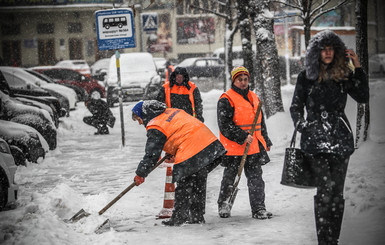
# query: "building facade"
(42, 32)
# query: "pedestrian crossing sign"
(150, 21)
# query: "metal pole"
(117, 56)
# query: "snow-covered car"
(23, 78)
(80, 66)
(68, 76)
(54, 89)
(17, 111)
(8, 187)
(377, 64)
(100, 68)
(80, 92)
(22, 87)
(28, 139)
(139, 77)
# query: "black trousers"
(329, 172)
(253, 173)
(190, 197)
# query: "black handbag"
(296, 172)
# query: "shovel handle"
(129, 187)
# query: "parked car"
(68, 76)
(57, 90)
(30, 93)
(19, 112)
(377, 64)
(100, 68)
(80, 92)
(80, 66)
(26, 138)
(139, 78)
(203, 67)
(8, 187)
(22, 79)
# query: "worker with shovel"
(238, 114)
(196, 149)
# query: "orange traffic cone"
(169, 196)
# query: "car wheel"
(120, 25)
(3, 190)
(95, 94)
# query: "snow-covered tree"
(268, 84)
(311, 10)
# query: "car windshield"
(187, 62)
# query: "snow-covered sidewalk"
(88, 171)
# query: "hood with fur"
(313, 53)
(182, 71)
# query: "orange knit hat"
(238, 71)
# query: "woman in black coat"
(326, 135)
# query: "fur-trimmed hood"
(182, 71)
(313, 53)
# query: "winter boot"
(262, 214)
(336, 221)
(322, 221)
(224, 210)
(104, 130)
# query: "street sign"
(150, 21)
(115, 29)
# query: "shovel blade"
(228, 204)
(101, 228)
(78, 216)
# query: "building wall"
(29, 17)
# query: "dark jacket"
(98, 108)
(326, 128)
(156, 141)
(225, 114)
(182, 101)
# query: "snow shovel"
(228, 203)
(81, 214)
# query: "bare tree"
(311, 10)
(363, 112)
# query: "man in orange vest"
(196, 149)
(236, 111)
(181, 93)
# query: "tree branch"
(328, 10)
(209, 11)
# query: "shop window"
(74, 27)
(45, 28)
(10, 29)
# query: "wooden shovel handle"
(129, 188)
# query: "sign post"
(115, 29)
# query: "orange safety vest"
(180, 90)
(186, 136)
(244, 113)
(168, 72)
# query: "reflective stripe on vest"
(186, 135)
(180, 90)
(244, 113)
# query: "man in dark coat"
(327, 138)
(196, 150)
(236, 111)
(101, 115)
(181, 93)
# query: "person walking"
(196, 149)
(235, 112)
(181, 93)
(326, 135)
(101, 115)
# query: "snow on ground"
(88, 171)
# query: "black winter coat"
(182, 101)
(327, 129)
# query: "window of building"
(10, 29)
(75, 27)
(45, 28)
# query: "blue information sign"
(115, 29)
